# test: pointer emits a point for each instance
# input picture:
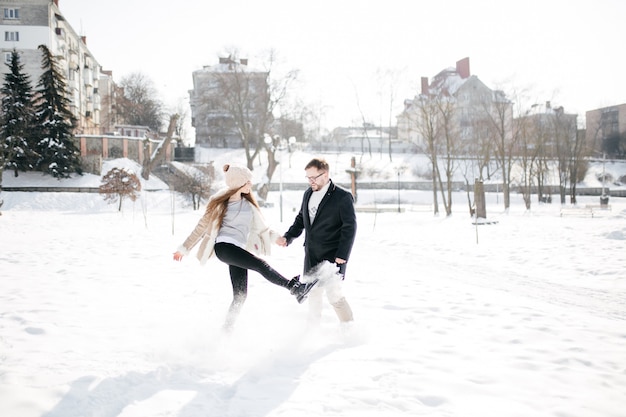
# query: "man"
(327, 216)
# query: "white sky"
(566, 51)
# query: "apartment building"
(26, 24)
(606, 130)
(471, 98)
(223, 97)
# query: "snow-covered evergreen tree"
(16, 119)
(58, 153)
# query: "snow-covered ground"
(523, 317)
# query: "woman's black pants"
(239, 261)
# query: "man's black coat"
(333, 231)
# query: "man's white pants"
(336, 299)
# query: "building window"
(11, 14)
(7, 57)
(11, 36)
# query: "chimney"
(463, 68)
(424, 85)
(84, 39)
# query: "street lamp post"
(398, 191)
(604, 198)
(276, 145)
(280, 149)
(280, 178)
(603, 173)
(291, 142)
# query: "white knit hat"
(236, 176)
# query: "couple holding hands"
(233, 229)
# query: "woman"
(232, 227)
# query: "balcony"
(88, 76)
(97, 102)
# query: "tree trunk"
(479, 200)
(150, 161)
(264, 190)
(507, 196)
(435, 202)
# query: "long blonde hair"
(217, 206)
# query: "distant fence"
(389, 185)
(57, 189)
(53, 189)
(456, 186)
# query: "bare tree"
(279, 90)
(570, 152)
(118, 184)
(568, 147)
(196, 182)
(544, 155)
(448, 148)
(578, 163)
(474, 148)
(499, 113)
(434, 119)
(425, 120)
(527, 155)
(152, 158)
(312, 115)
(138, 103)
(388, 81)
(245, 101)
(365, 124)
(181, 111)
(248, 99)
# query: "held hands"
(282, 241)
(178, 256)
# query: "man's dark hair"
(319, 163)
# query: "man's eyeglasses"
(312, 179)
